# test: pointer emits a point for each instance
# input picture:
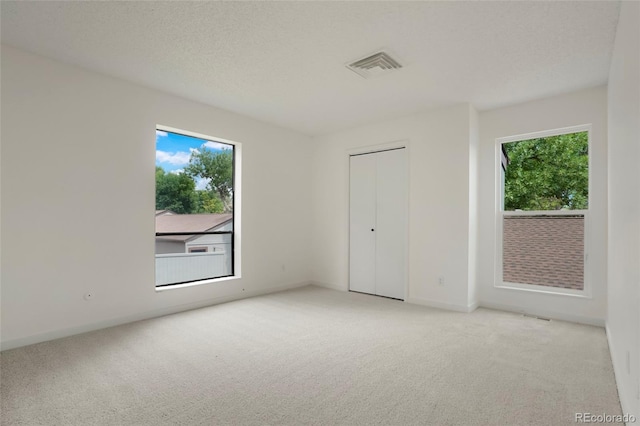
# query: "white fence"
(182, 267)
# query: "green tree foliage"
(217, 167)
(549, 173)
(176, 192)
(208, 202)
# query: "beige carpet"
(314, 356)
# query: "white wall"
(78, 181)
(583, 107)
(623, 321)
(438, 149)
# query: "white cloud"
(215, 145)
(201, 183)
(194, 150)
(177, 159)
(161, 133)
(177, 171)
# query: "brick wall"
(546, 251)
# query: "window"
(195, 208)
(543, 210)
(198, 249)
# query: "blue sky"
(174, 150)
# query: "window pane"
(544, 250)
(549, 173)
(541, 175)
(194, 208)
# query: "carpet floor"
(314, 356)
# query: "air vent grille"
(376, 64)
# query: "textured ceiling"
(283, 62)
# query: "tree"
(548, 173)
(217, 168)
(208, 202)
(176, 192)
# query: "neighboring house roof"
(189, 223)
(547, 251)
(163, 212)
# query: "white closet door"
(378, 223)
(362, 219)
(391, 220)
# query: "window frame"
(500, 213)
(235, 219)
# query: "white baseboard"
(414, 300)
(442, 305)
(561, 316)
(66, 332)
(626, 397)
(326, 285)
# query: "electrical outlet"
(441, 280)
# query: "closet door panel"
(391, 218)
(362, 219)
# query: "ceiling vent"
(374, 65)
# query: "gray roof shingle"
(189, 223)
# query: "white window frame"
(237, 209)
(500, 213)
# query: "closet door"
(391, 220)
(362, 219)
(377, 223)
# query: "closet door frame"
(371, 149)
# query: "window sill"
(196, 283)
(556, 291)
